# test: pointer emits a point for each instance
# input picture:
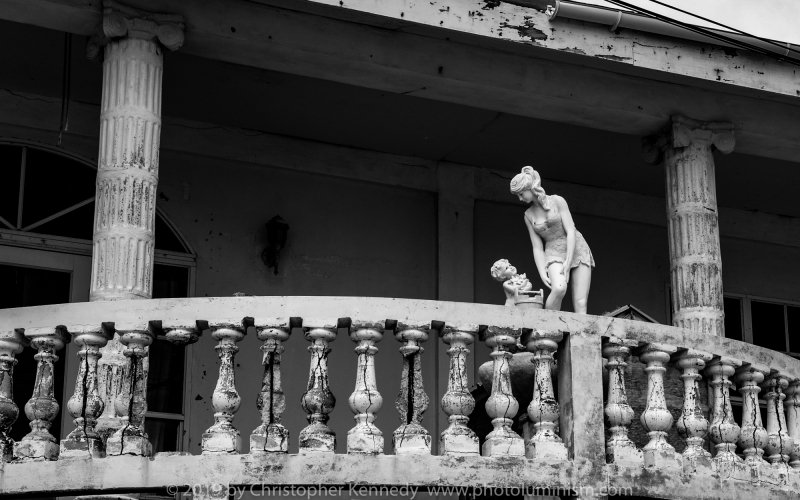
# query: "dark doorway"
(25, 287)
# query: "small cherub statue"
(516, 286)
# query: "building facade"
(146, 145)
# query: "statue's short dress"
(555, 240)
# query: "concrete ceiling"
(251, 98)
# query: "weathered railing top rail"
(326, 311)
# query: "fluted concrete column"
(686, 149)
(131, 42)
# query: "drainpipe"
(616, 19)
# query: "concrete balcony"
(566, 452)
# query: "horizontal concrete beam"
(465, 65)
(31, 117)
(319, 311)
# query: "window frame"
(44, 250)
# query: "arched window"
(47, 203)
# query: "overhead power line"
(705, 32)
(765, 40)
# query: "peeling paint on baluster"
(271, 435)
(692, 425)
(501, 405)
(753, 437)
(780, 443)
(11, 344)
(620, 449)
(656, 418)
(223, 437)
(457, 402)
(793, 421)
(42, 408)
(365, 401)
(724, 431)
(411, 403)
(543, 409)
(131, 403)
(318, 400)
(86, 405)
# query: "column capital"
(120, 21)
(682, 132)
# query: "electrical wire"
(705, 32)
(765, 40)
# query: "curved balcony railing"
(578, 444)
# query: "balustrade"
(619, 447)
(724, 430)
(692, 424)
(502, 406)
(753, 437)
(11, 344)
(780, 443)
(223, 437)
(318, 400)
(555, 437)
(86, 405)
(42, 408)
(365, 401)
(656, 418)
(411, 403)
(271, 435)
(793, 421)
(457, 402)
(543, 410)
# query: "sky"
(774, 19)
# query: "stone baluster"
(365, 401)
(271, 435)
(692, 425)
(223, 437)
(656, 418)
(695, 263)
(131, 404)
(753, 437)
(86, 405)
(11, 343)
(318, 400)
(780, 443)
(724, 431)
(543, 409)
(42, 408)
(793, 421)
(411, 403)
(619, 447)
(457, 402)
(501, 406)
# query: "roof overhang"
(486, 54)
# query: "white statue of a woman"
(559, 250)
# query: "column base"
(459, 441)
(35, 450)
(411, 439)
(546, 450)
(221, 437)
(273, 438)
(503, 444)
(317, 437)
(365, 438)
(129, 441)
(79, 445)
